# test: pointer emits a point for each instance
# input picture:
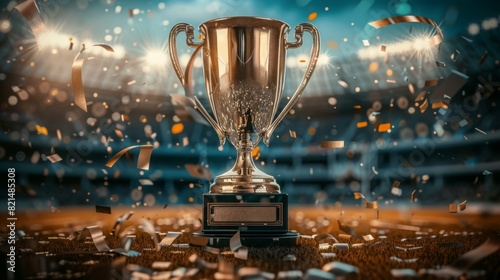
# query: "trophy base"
(221, 240)
(226, 213)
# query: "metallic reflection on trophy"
(244, 70)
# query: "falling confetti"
(332, 144)
(312, 16)
(142, 160)
(76, 77)
(54, 158)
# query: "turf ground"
(420, 239)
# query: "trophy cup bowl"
(244, 72)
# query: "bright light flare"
(53, 39)
(156, 58)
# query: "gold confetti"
(424, 105)
(332, 144)
(432, 41)
(42, 130)
(413, 198)
(293, 134)
(54, 158)
(142, 161)
(463, 205)
(312, 16)
(177, 128)
(383, 48)
(361, 124)
(452, 208)
(343, 84)
(384, 127)
(169, 238)
(76, 77)
(431, 83)
(98, 238)
(255, 151)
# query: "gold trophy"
(244, 70)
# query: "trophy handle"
(186, 77)
(299, 31)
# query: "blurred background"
(398, 136)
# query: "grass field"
(419, 239)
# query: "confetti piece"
(412, 199)
(361, 124)
(383, 48)
(466, 39)
(198, 240)
(235, 242)
(103, 209)
(328, 255)
(384, 127)
(391, 81)
(431, 83)
(170, 238)
(341, 246)
(145, 182)
(54, 158)
(374, 171)
(454, 56)
(212, 250)
(340, 269)
(29, 11)
(185, 141)
(343, 84)
(452, 208)
(149, 228)
(312, 16)
(290, 258)
(76, 77)
(302, 61)
(116, 227)
(403, 273)
(324, 236)
(440, 63)
(42, 130)
(349, 230)
(332, 144)
(483, 57)
(368, 237)
(479, 130)
(198, 171)
(201, 263)
(293, 134)
(432, 41)
(318, 274)
(242, 253)
(463, 205)
(157, 265)
(461, 265)
(450, 86)
(366, 204)
(423, 107)
(366, 43)
(290, 275)
(177, 128)
(142, 160)
(487, 172)
(98, 238)
(131, 83)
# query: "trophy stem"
(244, 177)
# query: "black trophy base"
(221, 240)
(245, 212)
(261, 219)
